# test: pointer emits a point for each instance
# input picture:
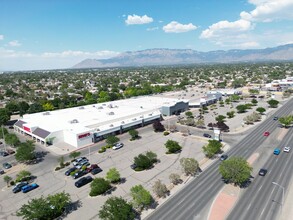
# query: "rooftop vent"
(81, 107)
(110, 106)
(151, 114)
(122, 122)
(100, 107)
(134, 119)
(111, 125)
(111, 113)
(46, 113)
(141, 116)
(74, 121)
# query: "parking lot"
(51, 181)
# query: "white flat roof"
(99, 115)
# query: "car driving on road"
(7, 165)
(223, 157)
(266, 133)
(277, 151)
(207, 135)
(287, 149)
(262, 172)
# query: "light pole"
(283, 193)
(4, 144)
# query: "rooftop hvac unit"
(111, 125)
(122, 122)
(81, 107)
(74, 121)
(110, 106)
(46, 113)
(111, 113)
(134, 119)
(100, 107)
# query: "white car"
(287, 149)
(117, 146)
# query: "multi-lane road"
(190, 202)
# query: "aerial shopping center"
(84, 125)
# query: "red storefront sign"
(83, 135)
(26, 129)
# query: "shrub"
(57, 168)
(67, 163)
(12, 183)
(166, 133)
(113, 175)
(172, 146)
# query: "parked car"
(91, 167)
(83, 181)
(79, 174)
(2, 172)
(223, 157)
(117, 146)
(133, 166)
(29, 187)
(277, 151)
(207, 135)
(3, 153)
(7, 165)
(262, 172)
(82, 163)
(275, 118)
(287, 149)
(96, 170)
(280, 126)
(17, 188)
(76, 161)
(266, 133)
(70, 170)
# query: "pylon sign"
(217, 133)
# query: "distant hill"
(187, 56)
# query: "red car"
(266, 133)
(93, 166)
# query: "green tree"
(220, 118)
(99, 186)
(61, 161)
(74, 154)
(4, 116)
(254, 101)
(231, 114)
(158, 126)
(234, 98)
(261, 110)
(134, 134)
(172, 146)
(241, 108)
(235, 170)
(189, 166)
(160, 189)
(189, 114)
(152, 156)
(212, 148)
(12, 107)
(174, 178)
(11, 139)
(273, 103)
(3, 131)
(7, 179)
(48, 106)
(25, 152)
(113, 175)
(116, 208)
(286, 120)
(22, 174)
(141, 197)
(142, 162)
(253, 91)
(45, 208)
(23, 107)
(111, 140)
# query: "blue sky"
(48, 34)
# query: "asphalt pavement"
(190, 202)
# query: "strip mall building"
(82, 126)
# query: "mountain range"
(152, 57)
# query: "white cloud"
(152, 29)
(136, 19)
(269, 10)
(1, 37)
(175, 27)
(250, 44)
(14, 43)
